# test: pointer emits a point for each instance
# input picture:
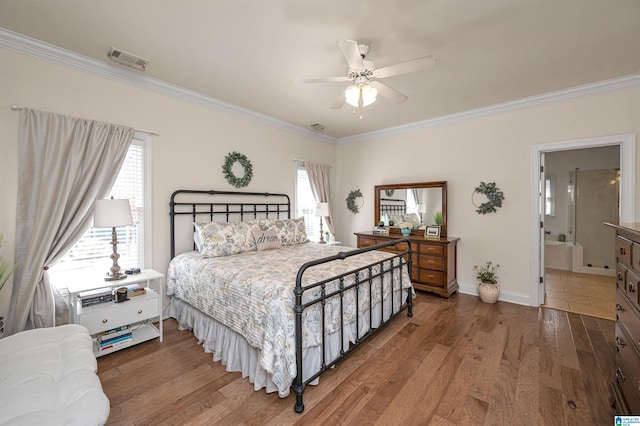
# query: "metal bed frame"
(364, 276)
(393, 208)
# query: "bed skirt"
(233, 351)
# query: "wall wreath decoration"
(495, 197)
(227, 169)
(351, 201)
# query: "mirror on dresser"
(420, 203)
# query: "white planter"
(488, 292)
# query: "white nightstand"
(137, 312)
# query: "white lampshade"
(110, 213)
(352, 95)
(322, 209)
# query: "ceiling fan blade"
(351, 53)
(388, 93)
(413, 65)
(339, 102)
(320, 80)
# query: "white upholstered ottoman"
(48, 376)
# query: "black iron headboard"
(212, 204)
(401, 207)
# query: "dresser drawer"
(431, 262)
(627, 319)
(627, 385)
(621, 277)
(431, 250)
(628, 368)
(366, 242)
(623, 250)
(635, 257)
(632, 281)
(112, 315)
(431, 277)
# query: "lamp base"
(114, 277)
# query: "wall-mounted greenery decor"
(351, 201)
(495, 197)
(227, 169)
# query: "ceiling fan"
(364, 77)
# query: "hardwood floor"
(585, 294)
(457, 362)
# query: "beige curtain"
(65, 164)
(320, 180)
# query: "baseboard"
(505, 296)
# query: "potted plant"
(488, 287)
(437, 218)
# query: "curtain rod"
(149, 132)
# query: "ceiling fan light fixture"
(353, 93)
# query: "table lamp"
(110, 213)
(322, 210)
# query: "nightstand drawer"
(113, 315)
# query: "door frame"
(627, 144)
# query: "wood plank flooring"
(457, 362)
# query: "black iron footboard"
(349, 281)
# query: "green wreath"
(227, 167)
(351, 201)
(495, 197)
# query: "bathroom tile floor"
(584, 294)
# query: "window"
(306, 203)
(91, 254)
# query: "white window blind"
(306, 203)
(91, 254)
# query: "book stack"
(94, 297)
(380, 231)
(135, 290)
(115, 337)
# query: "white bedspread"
(48, 377)
(252, 294)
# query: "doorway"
(626, 145)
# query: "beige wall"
(495, 148)
(189, 153)
(194, 140)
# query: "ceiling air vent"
(317, 127)
(127, 59)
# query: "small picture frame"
(432, 232)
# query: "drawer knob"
(619, 307)
(620, 341)
(430, 262)
(631, 289)
(104, 321)
(622, 251)
(619, 276)
(619, 375)
(139, 311)
(430, 276)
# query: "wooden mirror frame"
(416, 185)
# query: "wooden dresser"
(433, 263)
(626, 384)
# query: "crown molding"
(624, 82)
(39, 49)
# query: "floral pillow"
(289, 231)
(225, 238)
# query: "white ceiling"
(247, 52)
